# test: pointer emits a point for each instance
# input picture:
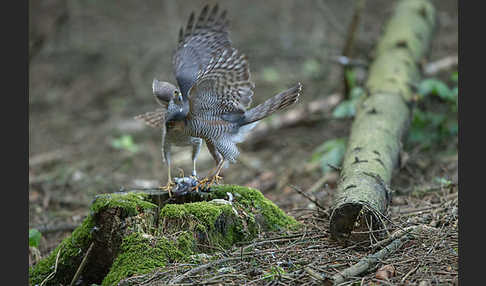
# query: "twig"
(353, 26)
(202, 267)
(348, 46)
(81, 266)
(367, 262)
(61, 227)
(52, 274)
(308, 197)
(321, 182)
(212, 279)
(47, 157)
(314, 274)
(415, 229)
(410, 273)
(349, 62)
(446, 63)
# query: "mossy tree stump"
(136, 232)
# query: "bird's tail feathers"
(278, 102)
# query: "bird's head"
(165, 92)
(169, 96)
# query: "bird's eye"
(176, 92)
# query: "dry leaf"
(385, 272)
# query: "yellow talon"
(216, 179)
(205, 183)
(168, 187)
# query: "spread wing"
(223, 87)
(154, 118)
(197, 44)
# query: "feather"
(202, 36)
(153, 118)
(223, 87)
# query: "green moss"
(185, 243)
(253, 200)
(203, 212)
(142, 254)
(205, 220)
(132, 202)
(71, 249)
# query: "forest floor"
(87, 83)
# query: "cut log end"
(356, 222)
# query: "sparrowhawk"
(213, 95)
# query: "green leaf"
(443, 181)
(350, 77)
(435, 119)
(356, 92)
(428, 127)
(432, 86)
(34, 237)
(330, 152)
(455, 91)
(455, 76)
(124, 142)
(345, 109)
(450, 127)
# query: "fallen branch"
(395, 241)
(44, 158)
(44, 229)
(413, 230)
(366, 263)
(436, 67)
(381, 120)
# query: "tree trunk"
(137, 232)
(382, 119)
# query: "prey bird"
(213, 95)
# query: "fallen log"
(382, 119)
(136, 232)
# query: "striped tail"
(278, 102)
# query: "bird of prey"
(170, 98)
(213, 95)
